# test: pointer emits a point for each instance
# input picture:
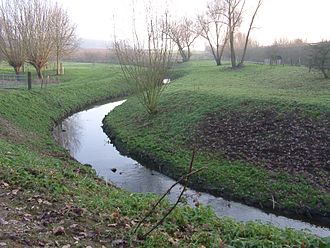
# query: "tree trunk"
(223, 47)
(17, 69)
(39, 73)
(215, 55)
(188, 53)
(325, 74)
(57, 61)
(183, 54)
(232, 49)
(218, 61)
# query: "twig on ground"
(184, 178)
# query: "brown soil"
(35, 220)
(288, 141)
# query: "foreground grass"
(168, 137)
(48, 199)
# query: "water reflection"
(68, 134)
(85, 140)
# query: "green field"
(204, 90)
(47, 198)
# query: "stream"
(82, 135)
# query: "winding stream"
(83, 136)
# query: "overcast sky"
(277, 18)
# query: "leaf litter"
(290, 141)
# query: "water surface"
(83, 136)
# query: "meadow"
(49, 199)
(262, 132)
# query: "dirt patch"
(279, 141)
(28, 219)
(10, 132)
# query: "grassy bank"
(206, 93)
(48, 199)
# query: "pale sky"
(276, 19)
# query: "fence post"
(61, 69)
(29, 81)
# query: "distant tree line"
(92, 55)
(33, 31)
(282, 51)
(296, 52)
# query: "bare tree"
(183, 33)
(146, 66)
(36, 27)
(174, 32)
(248, 33)
(212, 28)
(319, 57)
(64, 34)
(233, 18)
(189, 34)
(11, 43)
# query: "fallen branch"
(165, 194)
(184, 178)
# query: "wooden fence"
(26, 80)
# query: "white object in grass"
(166, 81)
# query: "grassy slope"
(204, 89)
(41, 188)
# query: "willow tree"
(36, 28)
(64, 35)
(145, 62)
(32, 31)
(11, 42)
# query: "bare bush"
(145, 66)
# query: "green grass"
(31, 161)
(168, 136)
